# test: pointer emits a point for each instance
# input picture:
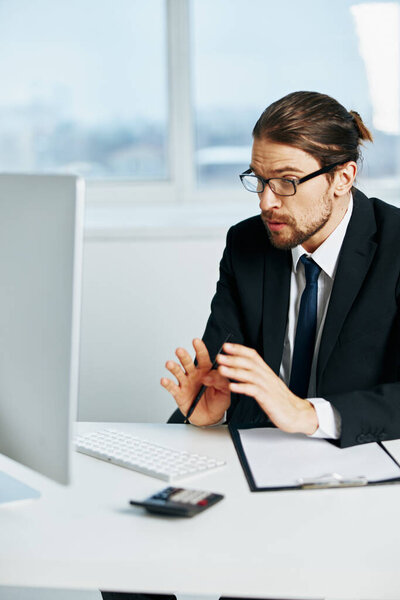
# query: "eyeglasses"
(281, 186)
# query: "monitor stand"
(11, 489)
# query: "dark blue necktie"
(305, 332)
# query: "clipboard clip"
(331, 480)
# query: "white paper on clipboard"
(279, 459)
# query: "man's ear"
(344, 178)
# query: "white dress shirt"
(326, 256)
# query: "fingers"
(240, 362)
(247, 389)
(169, 385)
(246, 354)
(202, 355)
(175, 392)
(186, 360)
(244, 351)
(176, 370)
(216, 380)
(244, 375)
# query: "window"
(84, 88)
(248, 54)
(155, 101)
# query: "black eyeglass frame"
(294, 182)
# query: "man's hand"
(217, 397)
(253, 377)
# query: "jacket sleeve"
(372, 415)
(368, 415)
(225, 314)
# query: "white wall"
(142, 298)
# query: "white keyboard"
(151, 459)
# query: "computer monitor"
(41, 240)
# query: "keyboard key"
(145, 457)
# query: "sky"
(96, 58)
(93, 58)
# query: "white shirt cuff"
(329, 420)
(221, 422)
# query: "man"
(346, 388)
(309, 291)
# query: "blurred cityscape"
(35, 139)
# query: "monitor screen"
(41, 235)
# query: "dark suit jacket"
(358, 367)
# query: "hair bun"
(363, 132)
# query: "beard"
(298, 234)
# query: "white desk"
(300, 544)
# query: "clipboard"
(273, 460)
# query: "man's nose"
(269, 200)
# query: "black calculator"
(178, 502)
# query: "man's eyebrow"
(286, 169)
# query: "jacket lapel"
(276, 304)
(354, 261)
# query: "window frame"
(180, 187)
(180, 190)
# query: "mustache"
(267, 215)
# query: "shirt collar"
(327, 254)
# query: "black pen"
(204, 387)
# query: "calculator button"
(179, 497)
(202, 502)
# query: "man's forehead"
(276, 157)
(278, 169)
